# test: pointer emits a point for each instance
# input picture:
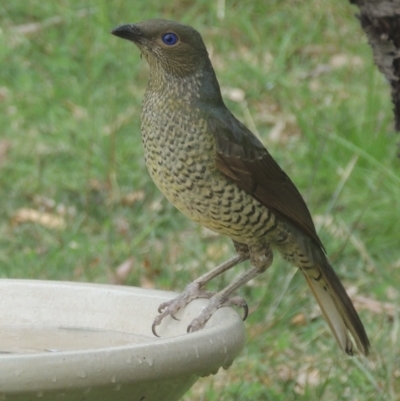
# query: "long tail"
(336, 306)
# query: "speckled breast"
(180, 157)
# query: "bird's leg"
(261, 258)
(194, 290)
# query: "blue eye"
(170, 38)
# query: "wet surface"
(30, 339)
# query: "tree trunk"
(380, 20)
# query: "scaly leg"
(194, 291)
(261, 258)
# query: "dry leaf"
(145, 282)
(342, 60)
(235, 94)
(307, 377)
(132, 197)
(299, 319)
(123, 271)
(48, 220)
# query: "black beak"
(130, 32)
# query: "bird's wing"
(244, 159)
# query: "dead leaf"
(299, 319)
(132, 197)
(235, 94)
(48, 220)
(123, 271)
(343, 60)
(145, 282)
(307, 377)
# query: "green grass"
(70, 146)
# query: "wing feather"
(244, 159)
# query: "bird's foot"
(216, 303)
(191, 292)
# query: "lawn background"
(77, 203)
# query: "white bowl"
(74, 341)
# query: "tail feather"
(336, 307)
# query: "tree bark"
(380, 20)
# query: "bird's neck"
(200, 87)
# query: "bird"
(213, 169)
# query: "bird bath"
(75, 341)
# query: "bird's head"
(178, 49)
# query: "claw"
(239, 302)
(172, 314)
(245, 310)
(153, 329)
(197, 324)
(158, 321)
(193, 291)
